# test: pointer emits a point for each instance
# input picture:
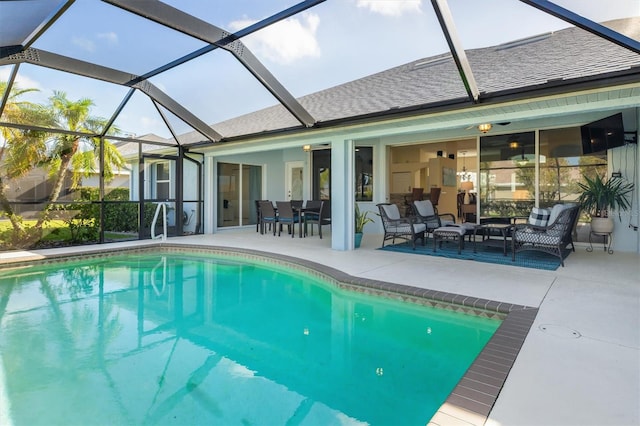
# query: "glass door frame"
(240, 199)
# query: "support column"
(342, 196)
(210, 195)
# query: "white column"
(342, 196)
(210, 195)
(635, 208)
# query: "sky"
(332, 43)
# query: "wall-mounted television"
(603, 134)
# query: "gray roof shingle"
(562, 55)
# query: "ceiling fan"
(503, 123)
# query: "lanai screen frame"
(217, 38)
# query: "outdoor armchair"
(405, 228)
(426, 213)
(551, 238)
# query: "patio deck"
(580, 362)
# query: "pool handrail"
(164, 223)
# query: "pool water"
(197, 339)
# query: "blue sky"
(332, 43)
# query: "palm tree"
(21, 149)
(71, 152)
(75, 151)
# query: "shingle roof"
(562, 55)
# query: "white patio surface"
(580, 364)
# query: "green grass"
(56, 230)
(5, 225)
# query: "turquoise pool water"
(197, 339)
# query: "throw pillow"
(539, 216)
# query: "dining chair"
(267, 215)
(312, 207)
(434, 197)
(323, 217)
(286, 215)
(258, 214)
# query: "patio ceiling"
(24, 25)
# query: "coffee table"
(489, 230)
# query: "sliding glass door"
(507, 175)
(239, 186)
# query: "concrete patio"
(580, 364)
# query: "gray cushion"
(544, 238)
(392, 211)
(451, 230)
(555, 211)
(419, 227)
(424, 208)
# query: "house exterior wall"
(527, 115)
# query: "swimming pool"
(176, 338)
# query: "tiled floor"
(580, 362)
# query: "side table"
(606, 245)
(486, 231)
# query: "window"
(321, 179)
(562, 165)
(364, 173)
(507, 174)
(163, 180)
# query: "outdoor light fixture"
(306, 148)
(513, 145)
(484, 127)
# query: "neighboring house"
(159, 173)
(29, 193)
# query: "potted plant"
(600, 196)
(361, 220)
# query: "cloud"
(88, 44)
(21, 80)
(84, 43)
(391, 7)
(111, 38)
(286, 41)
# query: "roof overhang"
(498, 107)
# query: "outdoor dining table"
(301, 211)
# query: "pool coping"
(471, 400)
